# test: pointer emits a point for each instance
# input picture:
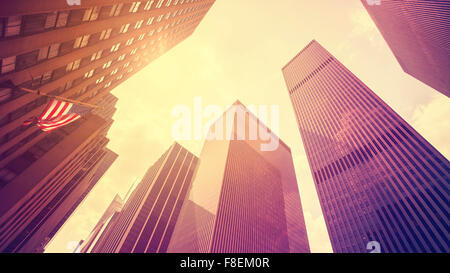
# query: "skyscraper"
(108, 216)
(147, 220)
(243, 198)
(376, 177)
(78, 195)
(417, 33)
(79, 52)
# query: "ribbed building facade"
(79, 52)
(376, 177)
(77, 196)
(417, 33)
(244, 199)
(146, 223)
(114, 208)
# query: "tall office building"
(77, 195)
(108, 216)
(244, 197)
(376, 177)
(417, 33)
(148, 218)
(79, 52)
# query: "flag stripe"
(47, 110)
(57, 108)
(58, 114)
(69, 119)
(56, 121)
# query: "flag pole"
(59, 98)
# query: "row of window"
(47, 76)
(16, 63)
(29, 24)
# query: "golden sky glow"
(237, 52)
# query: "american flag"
(57, 114)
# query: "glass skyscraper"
(417, 33)
(243, 199)
(376, 177)
(147, 220)
(80, 52)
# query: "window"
(124, 28)
(97, 55)
(138, 24)
(12, 28)
(160, 17)
(50, 21)
(119, 77)
(54, 50)
(27, 59)
(8, 64)
(133, 51)
(148, 5)
(130, 41)
(48, 52)
(121, 57)
(47, 76)
(91, 14)
(81, 41)
(160, 2)
(168, 3)
(106, 65)
(41, 79)
(150, 21)
(108, 84)
(100, 80)
(126, 65)
(62, 19)
(115, 47)
(105, 34)
(68, 85)
(73, 65)
(89, 74)
(141, 37)
(135, 6)
(112, 73)
(115, 9)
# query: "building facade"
(376, 177)
(244, 199)
(146, 223)
(417, 33)
(79, 52)
(114, 208)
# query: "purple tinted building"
(114, 208)
(244, 199)
(417, 31)
(376, 177)
(148, 217)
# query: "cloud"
(431, 121)
(319, 241)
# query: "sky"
(237, 52)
